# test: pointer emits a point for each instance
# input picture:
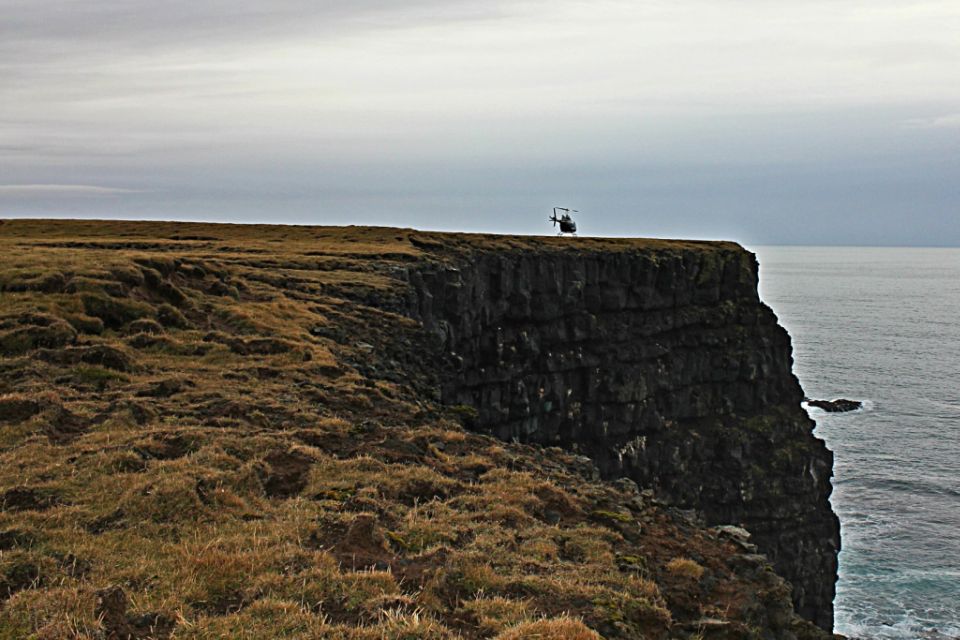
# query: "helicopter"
(567, 225)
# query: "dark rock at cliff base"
(840, 405)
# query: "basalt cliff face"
(660, 364)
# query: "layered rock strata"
(662, 364)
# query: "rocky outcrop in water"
(840, 405)
(661, 364)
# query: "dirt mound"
(286, 473)
(111, 609)
(28, 499)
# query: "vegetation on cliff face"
(221, 431)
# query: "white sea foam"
(906, 628)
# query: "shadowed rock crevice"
(662, 365)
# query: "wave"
(911, 487)
(952, 409)
(907, 627)
(891, 618)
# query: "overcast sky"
(763, 121)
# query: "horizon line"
(745, 244)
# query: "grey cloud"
(60, 190)
(946, 121)
(54, 27)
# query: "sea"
(882, 325)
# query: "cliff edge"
(298, 432)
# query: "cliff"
(258, 431)
(657, 361)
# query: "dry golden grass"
(194, 443)
(686, 568)
(562, 628)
